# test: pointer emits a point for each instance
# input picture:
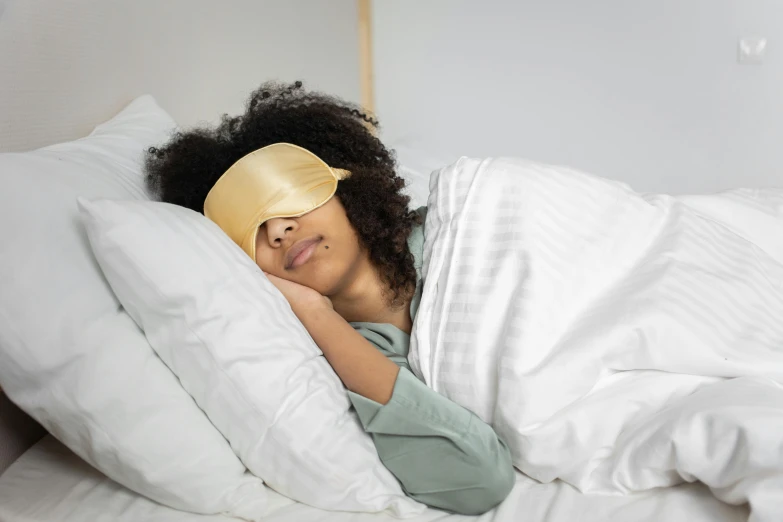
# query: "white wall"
(648, 92)
(67, 65)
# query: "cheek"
(266, 264)
(326, 273)
(340, 258)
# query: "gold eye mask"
(277, 181)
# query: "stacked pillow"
(239, 350)
(73, 359)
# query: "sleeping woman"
(302, 184)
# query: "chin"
(320, 281)
(323, 289)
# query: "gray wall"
(68, 65)
(648, 92)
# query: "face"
(319, 249)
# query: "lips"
(301, 252)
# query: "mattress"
(50, 483)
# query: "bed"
(50, 483)
(68, 66)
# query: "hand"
(300, 297)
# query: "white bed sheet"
(50, 483)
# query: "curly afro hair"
(184, 170)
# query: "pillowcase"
(415, 165)
(240, 351)
(416, 186)
(72, 358)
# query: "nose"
(278, 228)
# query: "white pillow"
(415, 165)
(417, 186)
(240, 351)
(71, 358)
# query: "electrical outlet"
(751, 50)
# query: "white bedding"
(616, 341)
(50, 483)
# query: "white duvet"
(617, 341)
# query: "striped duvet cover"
(617, 341)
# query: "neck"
(362, 299)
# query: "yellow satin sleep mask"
(276, 181)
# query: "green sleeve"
(442, 454)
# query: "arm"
(442, 454)
(362, 368)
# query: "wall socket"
(751, 50)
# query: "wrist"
(312, 305)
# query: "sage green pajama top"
(442, 454)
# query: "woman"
(349, 266)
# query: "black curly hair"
(184, 170)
